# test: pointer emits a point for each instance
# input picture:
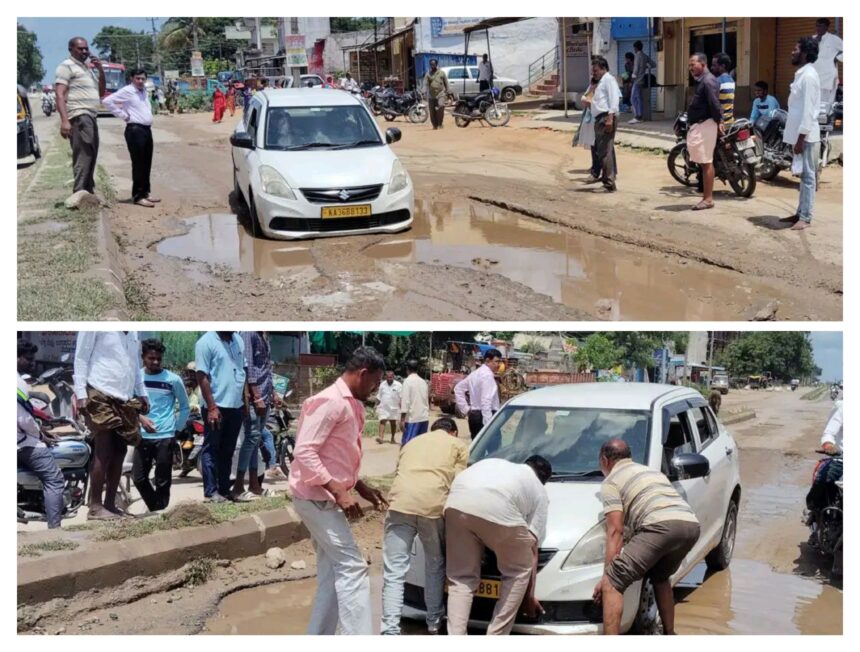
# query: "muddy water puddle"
(575, 269)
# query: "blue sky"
(827, 348)
(53, 34)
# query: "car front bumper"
(412, 613)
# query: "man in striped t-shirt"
(662, 527)
(721, 66)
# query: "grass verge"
(815, 394)
(36, 549)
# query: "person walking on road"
(721, 65)
(414, 404)
(438, 90)
(704, 117)
(485, 74)
(219, 105)
(34, 452)
(802, 129)
(388, 405)
(130, 104)
(111, 396)
(483, 392)
(642, 65)
(604, 108)
(158, 430)
(425, 470)
(220, 363)
(662, 526)
(830, 49)
(231, 99)
(325, 467)
(502, 506)
(78, 97)
(261, 394)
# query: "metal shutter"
(788, 30)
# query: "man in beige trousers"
(502, 506)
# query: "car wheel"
(256, 231)
(720, 557)
(647, 619)
(509, 95)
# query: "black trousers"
(437, 111)
(85, 151)
(483, 85)
(604, 145)
(158, 452)
(476, 422)
(139, 140)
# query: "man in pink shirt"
(326, 461)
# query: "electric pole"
(159, 64)
(711, 359)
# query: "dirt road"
(503, 230)
(775, 584)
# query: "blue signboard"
(450, 26)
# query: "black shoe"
(610, 187)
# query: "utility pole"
(156, 55)
(711, 359)
(137, 50)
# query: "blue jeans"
(254, 426)
(42, 463)
(219, 444)
(400, 532)
(807, 182)
(269, 445)
(636, 99)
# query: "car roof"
(309, 97)
(619, 396)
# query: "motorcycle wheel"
(418, 114)
(375, 110)
(768, 171)
(285, 455)
(462, 108)
(497, 115)
(389, 117)
(680, 167)
(745, 185)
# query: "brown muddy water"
(581, 271)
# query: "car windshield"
(569, 438)
(321, 127)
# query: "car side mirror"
(392, 135)
(243, 140)
(687, 466)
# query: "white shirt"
(829, 48)
(803, 106)
(348, 84)
(389, 400)
(415, 399)
(607, 96)
(483, 393)
(485, 71)
(29, 435)
(833, 430)
(109, 361)
(501, 492)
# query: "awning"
(489, 23)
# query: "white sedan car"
(313, 162)
(667, 428)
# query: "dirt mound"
(189, 514)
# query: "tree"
(212, 67)
(179, 348)
(598, 352)
(786, 355)
(181, 35)
(342, 24)
(636, 348)
(122, 45)
(30, 69)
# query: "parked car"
(721, 382)
(464, 81)
(567, 424)
(309, 162)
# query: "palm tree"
(177, 32)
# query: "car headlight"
(274, 183)
(399, 178)
(591, 549)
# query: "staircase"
(544, 74)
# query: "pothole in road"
(575, 269)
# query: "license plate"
(746, 144)
(489, 589)
(334, 212)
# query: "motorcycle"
(377, 97)
(285, 442)
(777, 155)
(735, 157)
(72, 453)
(482, 106)
(189, 442)
(834, 392)
(53, 391)
(825, 522)
(409, 104)
(49, 104)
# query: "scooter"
(825, 522)
(54, 392)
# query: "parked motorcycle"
(189, 444)
(377, 97)
(409, 104)
(735, 157)
(49, 104)
(72, 453)
(285, 442)
(777, 155)
(482, 106)
(825, 523)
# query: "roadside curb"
(740, 417)
(110, 563)
(110, 271)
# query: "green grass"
(371, 428)
(36, 549)
(198, 572)
(815, 393)
(381, 482)
(136, 300)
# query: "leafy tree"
(179, 348)
(598, 352)
(181, 35)
(636, 348)
(30, 67)
(786, 355)
(534, 346)
(343, 24)
(212, 67)
(122, 45)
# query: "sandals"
(245, 497)
(703, 206)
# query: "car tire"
(508, 94)
(647, 620)
(253, 218)
(720, 557)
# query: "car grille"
(490, 567)
(319, 225)
(333, 195)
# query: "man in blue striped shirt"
(721, 64)
(158, 429)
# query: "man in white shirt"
(414, 404)
(348, 83)
(829, 51)
(831, 438)
(830, 470)
(801, 126)
(111, 397)
(485, 74)
(33, 453)
(388, 405)
(483, 392)
(604, 108)
(502, 506)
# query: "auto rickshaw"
(28, 143)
